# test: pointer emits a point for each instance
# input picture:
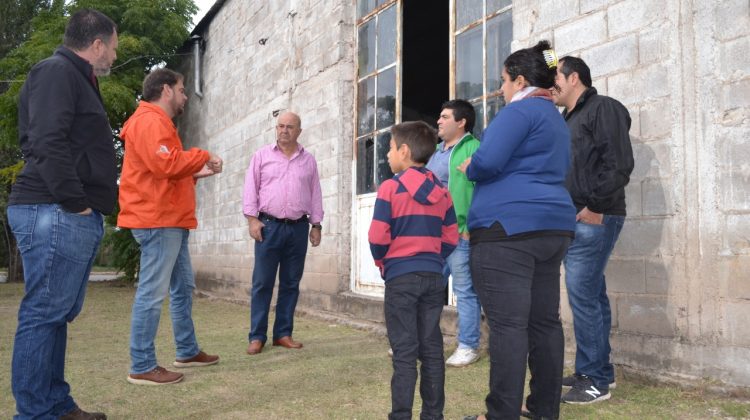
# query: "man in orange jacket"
(157, 202)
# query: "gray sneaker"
(462, 357)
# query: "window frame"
(376, 132)
(455, 32)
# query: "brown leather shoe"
(287, 342)
(79, 414)
(158, 376)
(255, 347)
(200, 359)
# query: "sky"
(203, 6)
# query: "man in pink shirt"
(281, 199)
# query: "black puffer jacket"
(602, 157)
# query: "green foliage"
(149, 31)
(15, 21)
(124, 250)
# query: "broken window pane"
(499, 36)
(468, 11)
(387, 37)
(365, 165)
(366, 53)
(386, 109)
(366, 106)
(381, 156)
(469, 64)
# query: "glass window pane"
(365, 165)
(479, 124)
(366, 106)
(499, 36)
(387, 37)
(364, 7)
(468, 11)
(469, 64)
(495, 5)
(382, 2)
(381, 157)
(386, 110)
(366, 44)
(494, 105)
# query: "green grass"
(341, 373)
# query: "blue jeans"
(283, 249)
(412, 306)
(165, 265)
(57, 249)
(587, 294)
(467, 301)
(518, 282)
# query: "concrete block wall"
(260, 58)
(679, 277)
(678, 280)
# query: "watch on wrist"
(317, 226)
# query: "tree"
(150, 33)
(15, 21)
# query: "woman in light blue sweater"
(521, 221)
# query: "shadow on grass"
(341, 373)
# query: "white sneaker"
(390, 352)
(462, 357)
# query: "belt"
(265, 216)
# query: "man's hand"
(465, 164)
(204, 172)
(255, 226)
(215, 163)
(588, 216)
(315, 234)
(86, 212)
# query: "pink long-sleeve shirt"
(285, 188)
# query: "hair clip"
(550, 57)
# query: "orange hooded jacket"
(157, 188)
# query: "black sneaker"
(584, 392)
(570, 381)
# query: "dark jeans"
(587, 294)
(283, 249)
(413, 304)
(518, 283)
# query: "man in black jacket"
(55, 208)
(602, 160)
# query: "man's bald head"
(288, 129)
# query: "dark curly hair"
(530, 63)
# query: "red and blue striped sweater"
(414, 225)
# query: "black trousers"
(413, 304)
(518, 283)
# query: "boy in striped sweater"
(413, 231)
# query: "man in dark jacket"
(602, 160)
(56, 206)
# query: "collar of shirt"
(299, 151)
(82, 65)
